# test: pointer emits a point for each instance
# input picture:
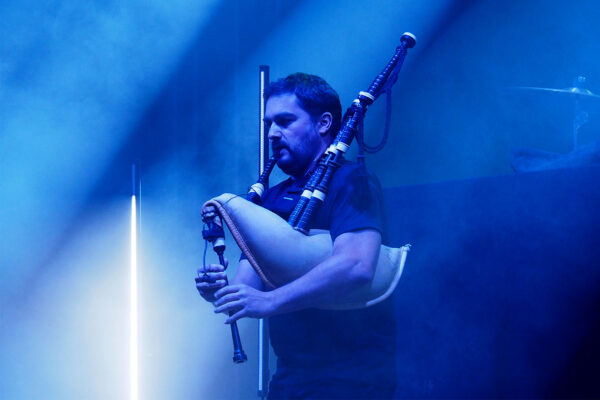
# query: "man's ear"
(324, 123)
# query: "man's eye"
(284, 123)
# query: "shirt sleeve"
(356, 201)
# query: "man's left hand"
(243, 301)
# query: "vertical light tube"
(263, 148)
(133, 307)
(263, 155)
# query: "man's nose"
(274, 132)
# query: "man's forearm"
(349, 268)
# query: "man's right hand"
(210, 280)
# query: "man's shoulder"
(355, 174)
(350, 176)
(354, 168)
(351, 166)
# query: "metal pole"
(263, 151)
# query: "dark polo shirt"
(335, 354)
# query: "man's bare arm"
(247, 275)
(350, 267)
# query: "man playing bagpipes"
(328, 343)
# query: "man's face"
(294, 137)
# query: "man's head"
(303, 115)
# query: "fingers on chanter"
(227, 290)
(211, 268)
(223, 305)
(237, 315)
(217, 284)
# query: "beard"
(292, 164)
(287, 164)
(295, 158)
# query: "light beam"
(133, 310)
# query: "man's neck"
(313, 165)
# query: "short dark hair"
(314, 95)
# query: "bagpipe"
(281, 251)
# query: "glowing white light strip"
(133, 308)
(261, 349)
(261, 124)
